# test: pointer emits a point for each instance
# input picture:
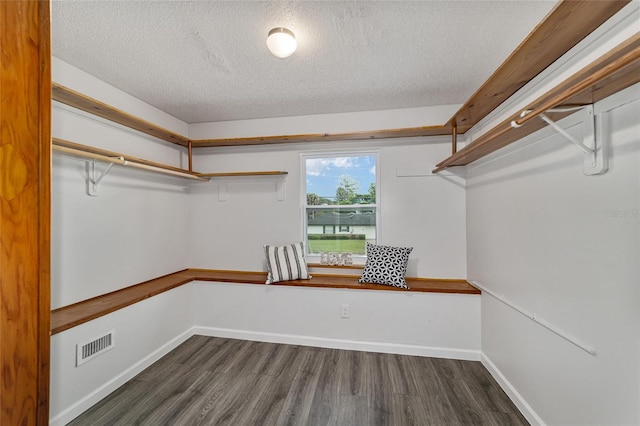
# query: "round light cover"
(281, 42)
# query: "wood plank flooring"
(215, 381)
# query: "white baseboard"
(355, 345)
(512, 393)
(94, 397)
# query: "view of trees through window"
(341, 203)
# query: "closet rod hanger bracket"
(592, 146)
(92, 179)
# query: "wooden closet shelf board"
(566, 25)
(87, 310)
(84, 103)
(70, 316)
(618, 69)
(409, 132)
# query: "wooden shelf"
(243, 174)
(567, 24)
(409, 132)
(614, 71)
(78, 313)
(84, 103)
(85, 151)
(70, 316)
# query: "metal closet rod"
(124, 162)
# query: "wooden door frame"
(25, 212)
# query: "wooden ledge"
(421, 285)
(416, 285)
(78, 313)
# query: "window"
(340, 202)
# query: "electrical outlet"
(344, 311)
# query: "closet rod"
(123, 162)
(610, 73)
(535, 318)
(601, 74)
(165, 171)
(89, 155)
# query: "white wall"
(144, 332)
(564, 246)
(545, 237)
(426, 324)
(326, 123)
(134, 230)
(425, 212)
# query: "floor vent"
(94, 347)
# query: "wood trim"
(566, 25)
(70, 316)
(82, 102)
(25, 160)
(618, 69)
(44, 245)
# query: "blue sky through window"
(323, 174)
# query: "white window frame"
(303, 195)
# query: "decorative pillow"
(386, 265)
(286, 263)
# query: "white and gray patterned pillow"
(386, 265)
(286, 263)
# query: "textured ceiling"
(207, 60)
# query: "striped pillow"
(286, 263)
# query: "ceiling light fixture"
(281, 42)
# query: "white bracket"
(592, 145)
(92, 179)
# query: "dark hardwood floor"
(214, 381)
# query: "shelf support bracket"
(92, 177)
(592, 144)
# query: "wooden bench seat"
(78, 313)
